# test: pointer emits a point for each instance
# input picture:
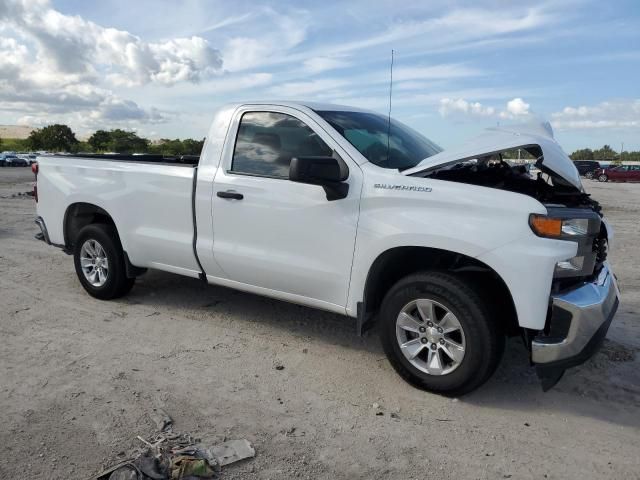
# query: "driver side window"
(267, 141)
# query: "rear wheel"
(438, 334)
(100, 264)
(603, 178)
(589, 175)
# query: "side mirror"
(328, 172)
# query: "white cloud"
(226, 22)
(66, 44)
(622, 113)
(320, 87)
(515, 108)
(322, 64)
(450, 106)
(114, 109)
(42, 96)
(462, 26)
(274, 35)
(56, 67)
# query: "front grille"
(600, 248)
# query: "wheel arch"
(398, 262)
(80, 214)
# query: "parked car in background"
(15, 161)
(12, 160)
(586, 168)
(30, 158)
(619, 173)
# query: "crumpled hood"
(496, 139)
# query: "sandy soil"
(79, 379)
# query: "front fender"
(487, 224)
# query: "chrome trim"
(43, 229)
(590, 307)
(44, 236)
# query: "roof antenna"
(389, 119)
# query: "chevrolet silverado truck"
(349, 211)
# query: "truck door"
(271, 233)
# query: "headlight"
(572, 224)
(563, 228)
(575, 226)
(570, 268)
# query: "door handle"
(230, 194)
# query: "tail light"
(34, 168)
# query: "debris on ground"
(232, 451)
(26, 194)
(162, 419)
(171, 455)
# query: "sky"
(161, 68)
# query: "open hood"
(498, 139)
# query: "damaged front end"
(583, 294)
(481, 162)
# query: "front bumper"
(586, 313)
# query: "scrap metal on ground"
(171, 455)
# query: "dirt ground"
(79, 378)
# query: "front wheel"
(438, 334)
(589, 175)
(603, 178)
(100, 264)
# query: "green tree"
(171, 147)
(99, 141)
(633, 156)
(582, 154)
(15, 144)
(192, 147)
(57, 137)
(604, 153)
(84, 147)
(177, 147)
(122, 141)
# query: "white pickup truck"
(344, 210)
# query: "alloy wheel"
(430, 337)
(94, 263)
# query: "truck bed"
(150, 199)
(186, 160)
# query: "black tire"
(117, 283)
(484, 338)
(589, 175)
(603, 178)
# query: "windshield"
(368, 133)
